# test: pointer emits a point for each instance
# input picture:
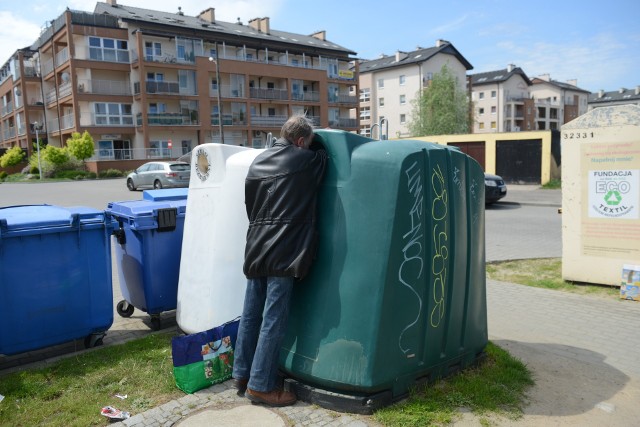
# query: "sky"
(597, 43)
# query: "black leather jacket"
(280, 197)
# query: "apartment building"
(148, 84)
(501, 101)
(389, 84)
(557, 103)
(621, 96)
(508, 101)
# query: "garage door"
(474, 150)
(519, 162)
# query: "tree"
(56, 156)
(12, 157)
(442, 108)
(81, 146)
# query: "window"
(493, 125)
(365, 113)
(365, 95)
(481, 95)
(271, 111)
(381, 102)
(493, 93)
(365, 131)
(152, 50)
(111, 114)
(271, 85)
(403, 80)
(481, 111)
(403, 99)
(481, 125)
(403, 118)
(493, 109)
(104, 49)
(380, 83)
(159, 149)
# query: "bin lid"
(165, 194)
(143, 214)
(46, 216)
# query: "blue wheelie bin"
(55, 277)
(148, 244)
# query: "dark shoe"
(272, 398)
(241, 385)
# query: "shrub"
(3, 175)
(111, 173)
(12, 157)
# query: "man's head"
(298, 131)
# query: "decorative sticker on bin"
(410, 270)
(203, 165)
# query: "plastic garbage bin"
(148, 242)
(55, 276)
(212, 284)
(397, 294)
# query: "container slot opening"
(167, 219)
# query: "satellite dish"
(18, 92)
(65, 77)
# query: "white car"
(160, 175)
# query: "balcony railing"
(65, 122)
(234, 119)
(94, 119)
(343, 123)
(9, 132)
(30, 71)
(269, 121)
(47, 67)
(22, 129)
(51, 96)
(104, 87)
(64, 90)
(136, 153)
(343, 99)
(305, 96)
(6, 109)
(260, 93)
(231, 91)
(62, 56)
(168, 119)
(166, 87)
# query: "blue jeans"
(262, 327)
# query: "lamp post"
(37, 127)
(212, 59)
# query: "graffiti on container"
(474, 197)
(412, 265)
(439, 211)
(457, 181)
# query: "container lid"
(143, 213)
(165, 194)
(46, 216)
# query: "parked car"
(160, 175)
(494, 188)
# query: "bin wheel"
(130, 185)
(157, 184)
(124, 309)
(93, 340)
(155, 322)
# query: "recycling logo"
(613, 198)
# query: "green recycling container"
(397, 294)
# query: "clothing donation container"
(397, 293)
(212, 284)
(55, 277)
(148, 243)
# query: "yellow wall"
(490, 140)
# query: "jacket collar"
(281, 142)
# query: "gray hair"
(296, 127)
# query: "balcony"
(227, 120)
(168, 119)
(268, 121)
(62, 56)
(104, 87)
(136, 153)
(64, 90)
(343, 123)
(65, 122)
(107, 120)
(47, 67)
(277, 94)
(9, 132)
(7, 109)
(306, 96)
(343, 99)
(22, 130)
(159, 88)
(232, 91)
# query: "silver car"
(160, 175)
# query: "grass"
(497, 386)
(544, 273)
(72, 391)
(553, 184)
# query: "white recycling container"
(212, 284)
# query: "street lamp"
(216, 60)
(37, 126)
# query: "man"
(280, 194)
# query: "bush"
(111, 173)
(12, 157)
(3, 175)
(71, 174)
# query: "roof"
(620, 95)
(414, 57)
(498, 76)
(556, 83)
(228, 29)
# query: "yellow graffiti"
(439, 209)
